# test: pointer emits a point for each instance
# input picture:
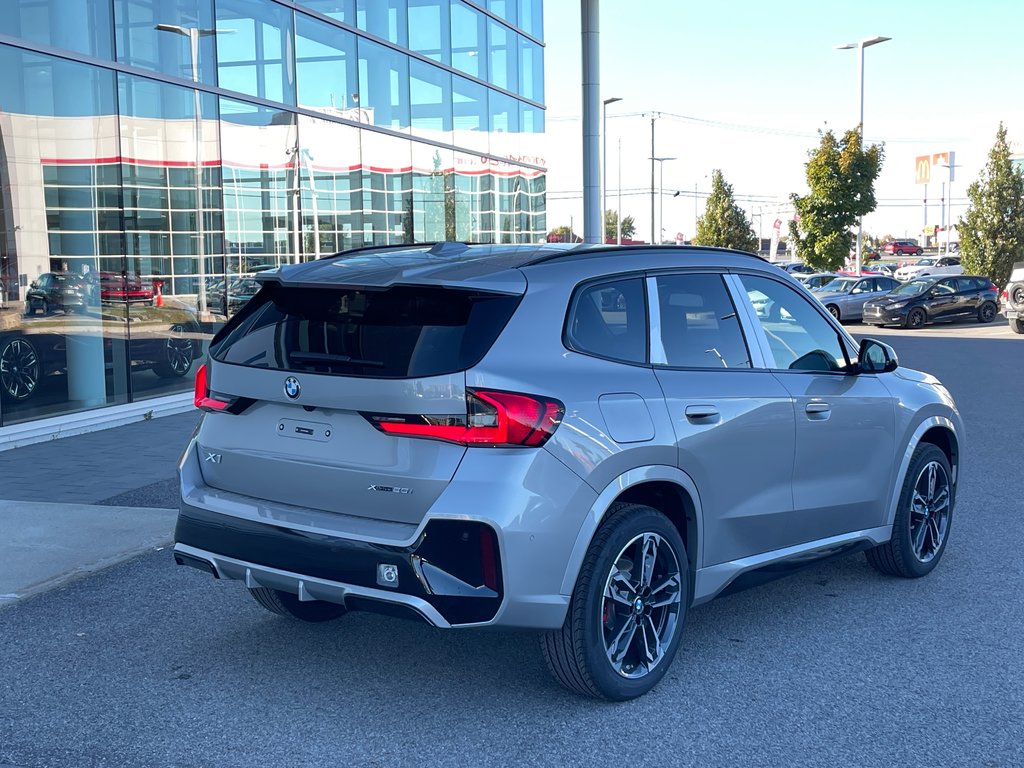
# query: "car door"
(845, 423)
(861, 292)
(733, 419)
(942, 302)
(949, 265)
(967, 296)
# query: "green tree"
(611, 223)
(724, 224)
(992, 231)
(563, 234)
(841, 175)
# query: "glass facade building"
(156, 154)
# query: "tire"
(899, 252)
(1017, 295)
(44, 306)
(916, 318)
(921, 528)
(20, 369)
(178, 353)
(834, 311)
(1017, 325)
(987, 312)
(578, 654)
(289, 605)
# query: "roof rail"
(611, 250)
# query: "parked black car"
(930, 299)
(56, 290)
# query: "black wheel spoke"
(929, 511)
(641, 604)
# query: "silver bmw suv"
(587, 442)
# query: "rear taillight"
(1005, 295)
(203, 400)
(492, 418)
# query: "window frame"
(580, 288)
(741, 298)
(654, 322)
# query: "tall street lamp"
(194, 34)
(860, 46)
(947, 218)
(661, 195)
(604, 163)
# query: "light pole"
(948, 218)
(194, 34)
(860, 46)
(618, 215)
(661, 195)
(604, 162)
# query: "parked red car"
(903, 248)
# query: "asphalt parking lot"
(149, 664)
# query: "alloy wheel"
(19, 369)
(641, 605)
(178, 351)
(929, 511)
(916, 319)
(988, 313)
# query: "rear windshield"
(401, 332)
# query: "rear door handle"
(701, 411)
(817, 408)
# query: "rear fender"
(599, 510)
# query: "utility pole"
(618, 222)
(652, 180)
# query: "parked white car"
(932, 265)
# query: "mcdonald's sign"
(923, 169)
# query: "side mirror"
(876, 357)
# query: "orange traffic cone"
(159, 293)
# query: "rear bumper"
(442, 575)
(307, 587)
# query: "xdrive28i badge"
(292, 388)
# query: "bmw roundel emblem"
(292, 388)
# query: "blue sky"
(752, 82)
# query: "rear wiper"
(327, 357)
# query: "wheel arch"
(667, 489)
(935, 430)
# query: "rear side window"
(610, 320)
(401, 332)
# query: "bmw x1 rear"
(585, 442)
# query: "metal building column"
(593, 226)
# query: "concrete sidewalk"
(73, 506)
(45, 545)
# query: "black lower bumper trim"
(447, 544)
